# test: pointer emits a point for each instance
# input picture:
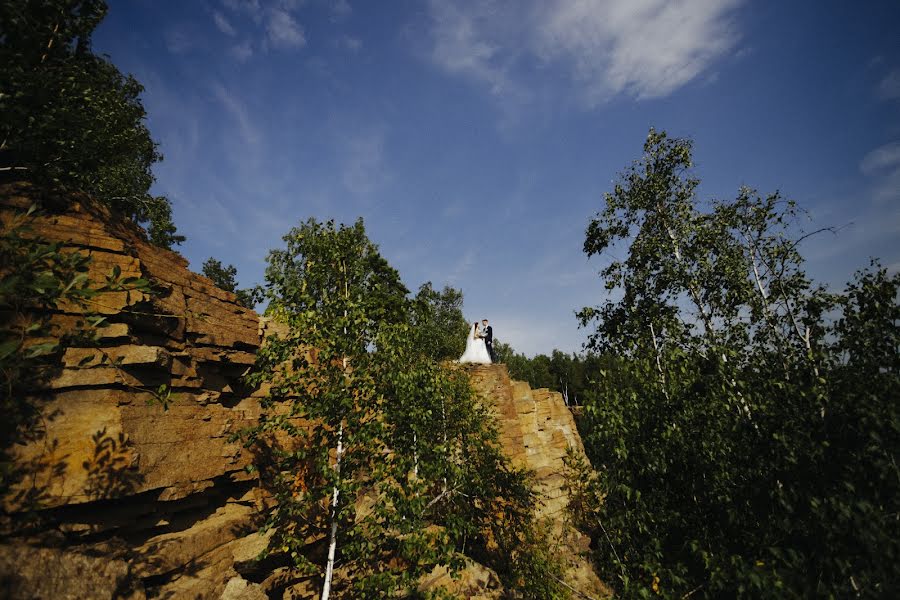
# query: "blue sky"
(476, 138)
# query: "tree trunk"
(332, 540)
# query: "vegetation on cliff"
(382, 463)
(746, 444)
(226, 278)
(70, 121)
(39, 278)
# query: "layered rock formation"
(133, 499)
(126, 499)
(536, 430)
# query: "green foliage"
(333, 281)
(439, 323)
(69, 120)
(366, 438)
(747, 444)
(38, 278)
(572, 375)
(225, 278)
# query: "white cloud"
(460, 44)
(364, 167)
(283, 31)
(248, 7)
(222, 23)
(276, 18)
(882, 165)
(462, 266)
(889, 87)
(340, 9)
(179, 41)
(640, 48)
(243, 51)
(350, 43)
(532, 334)
(883, 157)
(249, 134)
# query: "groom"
(487, 333)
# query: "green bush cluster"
(70, 121)
(38, 279)
(747, 443)
(382, 462)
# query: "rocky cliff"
(133, 499)
(126, 499)
(536, 429)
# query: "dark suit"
(488, 334)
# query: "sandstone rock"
(129, 354)
(241, 589)
(248, 548)
(536, 429)
(108, 460)
(28, 573)
(174, 551)
(475, 582)
(158, 499)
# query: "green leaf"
(8, 347)
(41, 349)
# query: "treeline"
(70, 121)
(747, 443)
(573, 375)
(402, 471)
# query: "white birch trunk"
(415, 455)
(332, 540)
(692, 285)
(662, 375)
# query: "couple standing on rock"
(479, 345)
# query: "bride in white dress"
(476, 351)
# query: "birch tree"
(381, 461)
(731, 442)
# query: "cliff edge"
(536, 429)
(122, 498)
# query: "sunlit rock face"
(536, 429)
(123, 499)
(159, 498)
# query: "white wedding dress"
(476, 351)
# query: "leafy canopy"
(69, 119)
(746, 445)
(225, 278)
(371, 447)
(439, 323)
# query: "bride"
(476, 351)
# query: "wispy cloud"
(461, 44)
(889, 87)
(283, 31)
(364, 165)
(243, 51)
(870, 224)
(222, 23)
(179, 40)
(639, 48)
(340, 9)
(276, 21)
(251, 8)
(249, 134)
(462, 266)
(883, 157)
(882, 165)
(348, 42)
